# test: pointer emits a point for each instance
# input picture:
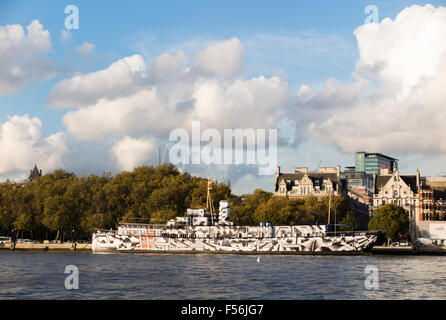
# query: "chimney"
(278, 171)
(418, 178)
(374, 182)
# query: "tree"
(24, 222)
(59, 202)
(162, 216)
(391, 219)
(242, 212)
(350, 221)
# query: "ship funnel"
(224, 210)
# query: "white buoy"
(258, 259)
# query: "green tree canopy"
(350, 221)
(53, 205)
(391, 219)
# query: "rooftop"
(367, 154)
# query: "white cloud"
(396, 103)
(404, 50)
(20, 61)
(119, 79)
(253, 103)
(167, 66)
(23, 143)
(124, 100)
(221, 57)
(130, 152)
(85, 48)
(65, 35)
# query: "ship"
(205, 231)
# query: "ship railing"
(101, 231)
(342, 233)
(129, 225)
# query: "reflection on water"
(40, 275)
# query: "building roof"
(35, 173)
(410, 180)
(298, 176)
(439, 194)
(380, 155)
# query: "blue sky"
(301, 42)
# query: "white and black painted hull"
(230, 239)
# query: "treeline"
(59, 205)
(62, 206)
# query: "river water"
(40, 275)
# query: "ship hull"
(234, 240)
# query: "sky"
(333, 77)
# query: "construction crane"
(162, 154)
(318, 166)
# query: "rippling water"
(40, 275)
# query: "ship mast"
(209, 204)
(329, 207)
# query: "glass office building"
(371, 163)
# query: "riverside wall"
(47, 246)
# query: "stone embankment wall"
(47, 246)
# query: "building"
(432, 204)
(402, 190)
(34, 173)
(359, 185)
(303, 183)
(431, 222)
(423, 198)
(371, 163)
